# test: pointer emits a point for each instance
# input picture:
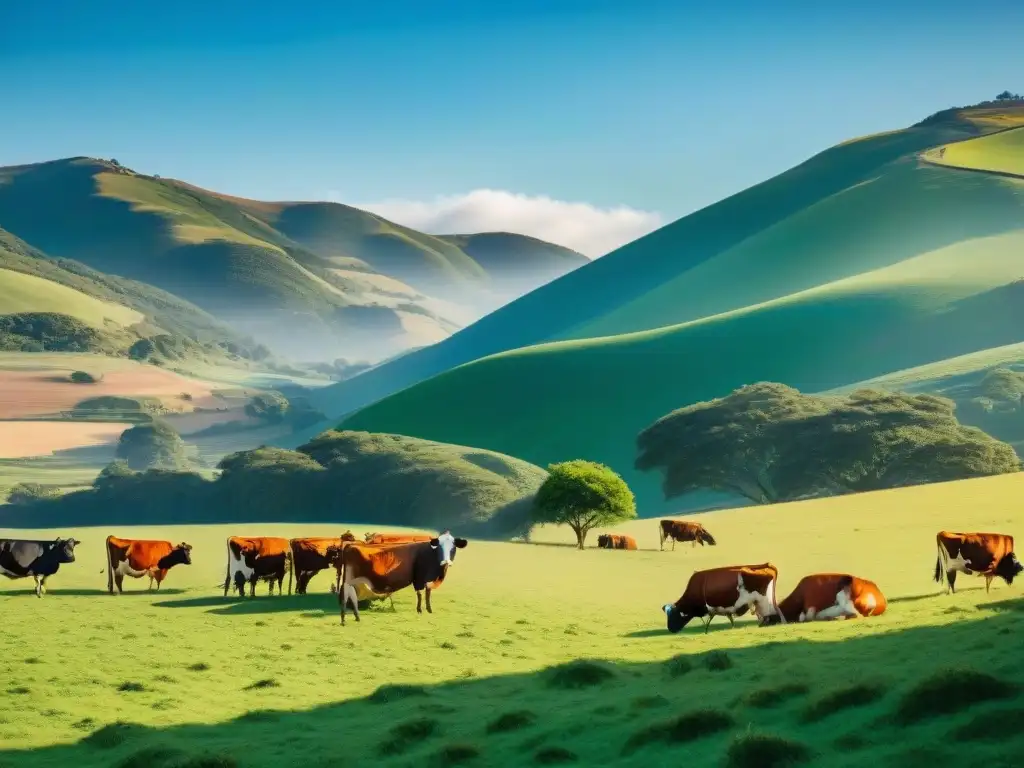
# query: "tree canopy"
(583, 495)
(770, 443)
(152, 446)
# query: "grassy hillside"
(315, 280)
(1001, 152)
(517, 260)
(888, 263)
(571, 663)
(842, 209)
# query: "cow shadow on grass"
(233, 605)
(58, 592)
(904, 705)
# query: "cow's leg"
(39, 585)
(119, 582)
(419, 601)
(732, 621)
(707, 623)
(951, 581)
(673, 543)
(348, 592)
(988, 582)
(252, 585)
(427, 590)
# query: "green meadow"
(536, 654)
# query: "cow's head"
(603, 540)
(348, 536)
(676, 620)
(180, 555)
(446, 544)
(65, 549)
(1009, 567)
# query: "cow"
(615, 541)
(382, 570)
(20, 558)
(727, 591)
(312, 555)
(141, 557)
(984, 554)
(395, 538)
(251, 559)
(681, 530)
(827, 596)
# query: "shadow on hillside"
(591, 710)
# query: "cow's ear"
(434, 543)
(461, 543)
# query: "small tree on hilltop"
(152, 446)
(583, 495)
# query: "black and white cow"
(20, 558)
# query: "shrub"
(579, 674)
(679, 730)
(763, 750)
(154, 445)
(512, 721)
(387, 694)
(82, 377)
(942, 693)
(554, 756)
(29, 493)
(858, 695)
(408, 734)
(765, 698)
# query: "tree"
(271, 407)
(153, 445)
(770, 443)
(29, 493)
(583, 495)
(82, 377)
(112, 474)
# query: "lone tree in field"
(770, 443)
(583, 495)
(152, 446)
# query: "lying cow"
(141, 557)
(682, 530)
(265, 558)
(615, 541)
(984, 554)
(382, 570)
(312, 555)
(20, 558)
(826, 596)
(728, 591)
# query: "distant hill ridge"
(312, 280)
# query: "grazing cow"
(727, 591)
(825, 596)
(383, 570)
(20, 558)
(139, 557)
(395, 538)
(681, 530)
(260, 557)
(984, 554)
(312, 555)
(615, 541)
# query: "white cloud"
(583, 227)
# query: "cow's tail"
(938, 560)
(110, 564)
(291, 566)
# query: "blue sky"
(659, 106)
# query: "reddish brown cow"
(682, 530)
(382, 570)
(312, 555)
(141, 557)
(825, 596)
(984, 554)
(253, 558)
(728, 591)
(615, 541)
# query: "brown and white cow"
(615, 541)
(143, 557)
(727, 591)
(381, 570)
(826, 596)
(395, 538)
(682, 530)
(251, 559)
(984, 554)
(312, 555)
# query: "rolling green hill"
(862, 261)
(315, 281)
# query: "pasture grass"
(536, 654)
